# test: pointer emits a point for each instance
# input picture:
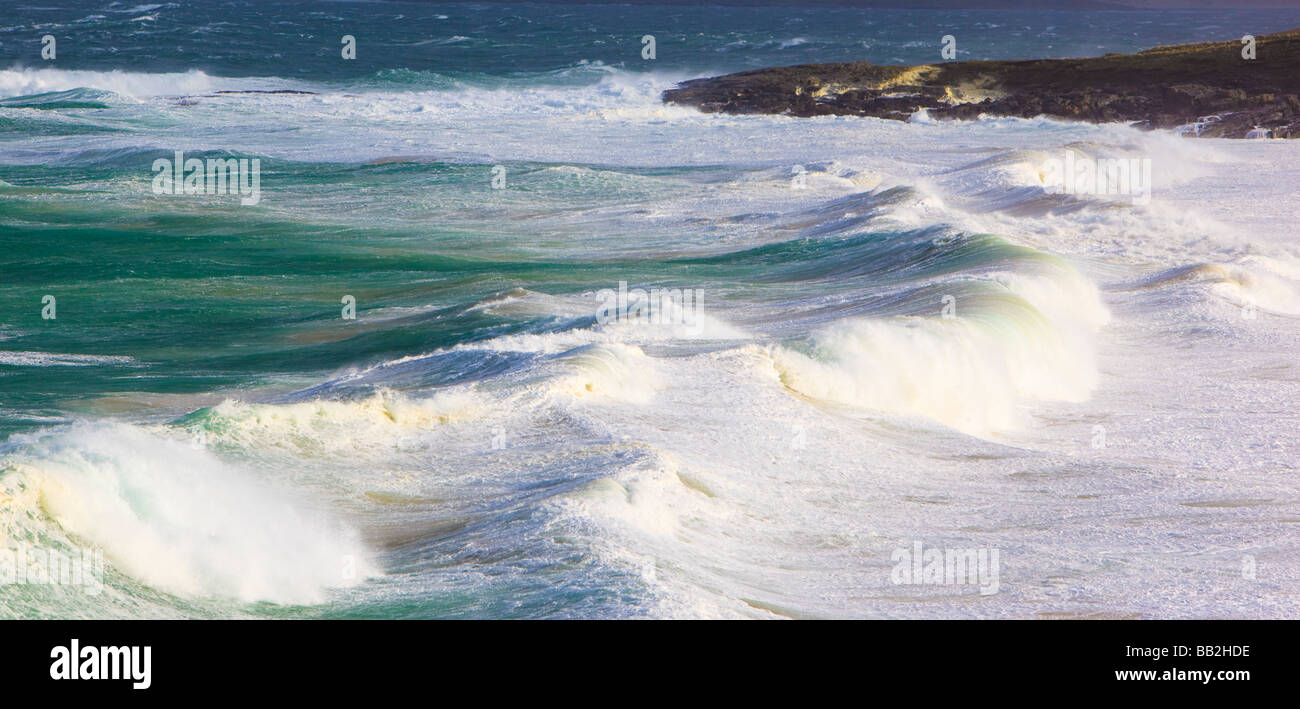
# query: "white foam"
(970, 371)
(56, 359)
(178, 518)
(27, 81)
(767, 479)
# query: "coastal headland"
(1210, 89)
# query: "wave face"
(612, 358)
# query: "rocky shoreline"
(1206, 89)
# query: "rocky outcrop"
(1205, 89)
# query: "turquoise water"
(475, 441)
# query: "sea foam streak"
(27, 81)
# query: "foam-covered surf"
(504, 342)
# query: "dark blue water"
(301, 39)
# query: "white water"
(753, 479)
(175, 517)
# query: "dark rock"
(1165, 87)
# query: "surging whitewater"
(919, 344)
